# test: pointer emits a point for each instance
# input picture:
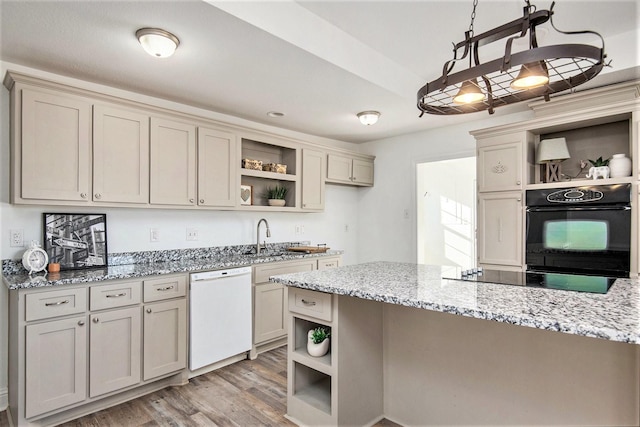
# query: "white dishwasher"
(219, 315)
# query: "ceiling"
(318, 62)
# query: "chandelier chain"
(473, 17)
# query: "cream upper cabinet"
(55, 154)
(313, 169)
(500, 167)
(173, 163)
(500, 235)
(120, 155)
(349, 170)
(217, 168)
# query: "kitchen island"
(421, 350)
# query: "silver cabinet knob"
(83, 195)
(96, 320)
(517, 182)
(148, 310)
(191, 200)
(98, 195)
(201, 200)
(80, 322)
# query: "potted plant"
(318, 341)
(275, 196)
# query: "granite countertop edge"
(624, 328)
(23, 280)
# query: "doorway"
(446, 212)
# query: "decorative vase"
(619, 166)
(316, 350)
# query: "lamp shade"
(552, 149)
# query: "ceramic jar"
(316, 350)
(619, 166)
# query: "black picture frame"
(75, 241)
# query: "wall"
(128, 229)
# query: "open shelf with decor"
(300, 339)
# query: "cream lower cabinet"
(75, 348)
(270, 300)
(56, 364)
(500, 231)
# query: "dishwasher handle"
(220, 274)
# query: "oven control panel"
(574, 195)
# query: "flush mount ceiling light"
(369, 117)
(516, 76)
(157, 42)
(275, 114)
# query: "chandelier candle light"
(516, 76)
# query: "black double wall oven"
(580, 230)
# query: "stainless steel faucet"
(258, 234)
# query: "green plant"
(320, 334)
(599, 162)
(277, 192)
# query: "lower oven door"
(593, 240)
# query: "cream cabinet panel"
(55, 147)
(217, 168)
(313, 187)
(165, 338)
(173, 163)
(56, 365)
(326, 263)
(269, 312)
(114, 350)
(120, 155)
(339, 168)
(500, 167)
(362, 172)
(500, 233)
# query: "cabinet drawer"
(261, 273)
(165, 288)
(310, 303)
(328, 263)
(116, 295)
(43, 305)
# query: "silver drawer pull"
(117, 295)
(311, 303)
(48, 304)
(165, 288)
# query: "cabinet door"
(56, 365)
(114, 350)
(500, 228)
(217, 168)
(173, 163)
(500, 167)
(313, 167)
(165, 338)
(120, 155)
(56, 138)
(269, 312)
(339, 168)
(362, 172)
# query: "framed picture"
(246, 195)
(76, 241)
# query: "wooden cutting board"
(309, 249)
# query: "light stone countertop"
(22, 280)
(613, 316)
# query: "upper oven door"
(579, 239)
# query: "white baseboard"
(4, 398)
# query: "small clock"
(35, 259)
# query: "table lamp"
(550, 153)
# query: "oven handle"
(575, 208)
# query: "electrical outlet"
(154, 235)
(16, 238)
(192, 234)
(297, 229)
(346, 228)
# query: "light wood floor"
(247, 393)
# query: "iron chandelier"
(515, 77)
